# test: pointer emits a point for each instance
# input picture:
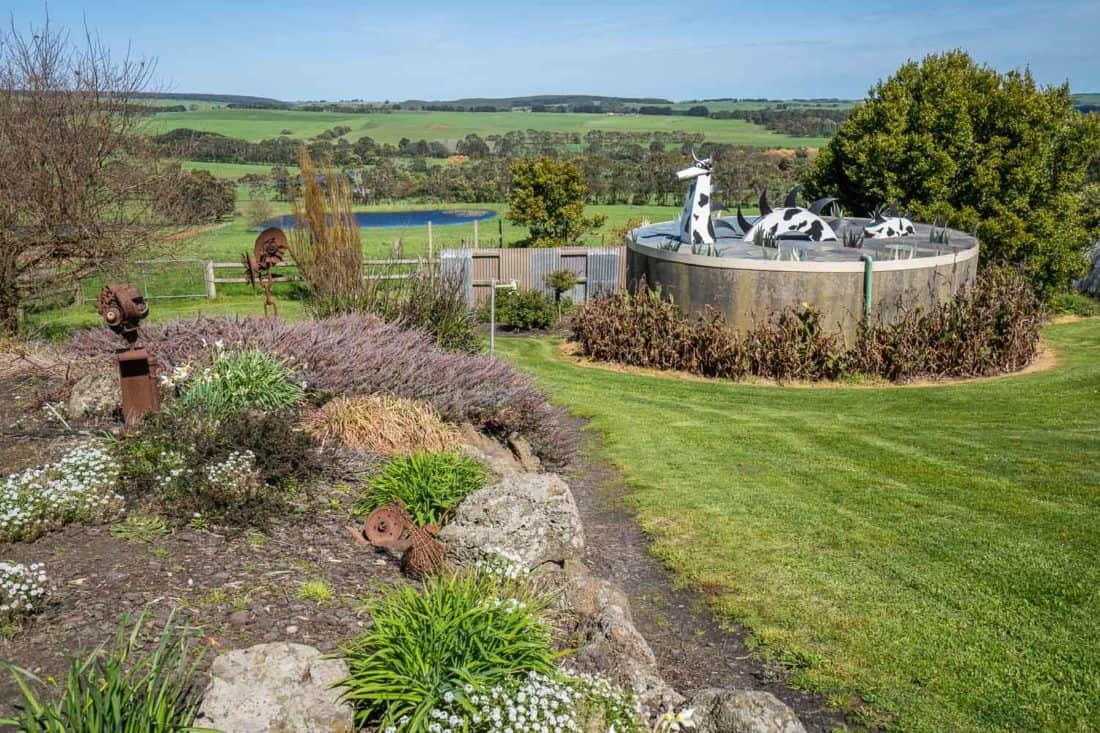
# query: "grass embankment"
(928, 557)
(225, 243)
(263, 124)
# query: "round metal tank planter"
(749, 284)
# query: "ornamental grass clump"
(79, 487)
(432, 648)
(382, 425)
(121, 689)
(248, 379)
(428, 485)
(22, 590)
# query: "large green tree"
(548, 198)
(991, 152)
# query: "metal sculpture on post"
(122, 307)
(268, 251)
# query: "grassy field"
(225, 243)
(259, 124)
(927, 557)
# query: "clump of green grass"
(425, 645)
(315, 590)
(120, 690)
(139, 527)
(427, 484)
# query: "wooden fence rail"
(211, 279)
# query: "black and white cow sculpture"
(890, 225)
(790, 221)
(696, 226)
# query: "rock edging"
(534, 517)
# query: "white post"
(475, 233)
(208, 277)
(493, 285)
(429, 241)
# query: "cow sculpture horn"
(741, 221)
(792, 197)
(764, 208)
(818, 206)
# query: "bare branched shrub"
(992, 328)
(78, 186)
(324, 240)
(382, 425)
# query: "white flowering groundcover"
(79, 487)
(22, 589)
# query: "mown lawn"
(928, 557)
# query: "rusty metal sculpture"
(391, 528)
(123, 307)
(268, 251)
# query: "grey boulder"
(530, 516)
(278, 687)
(742, 711)
(97, 393)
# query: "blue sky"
(673, 49)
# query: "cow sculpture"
(890, 225)
(789, 222)
(696, 226)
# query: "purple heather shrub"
(362, 354)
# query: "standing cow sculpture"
(696, 226)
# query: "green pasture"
(927, 557)
(259, 124)
(226, 242)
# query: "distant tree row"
(742, 172)
(217, 148)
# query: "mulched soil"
(693, 649)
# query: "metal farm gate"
(598, 269)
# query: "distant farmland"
(390, 127)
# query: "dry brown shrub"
(382, 425)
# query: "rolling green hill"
(390, 127)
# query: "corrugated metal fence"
(598, 269)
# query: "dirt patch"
(693, 649)
(1045, 360)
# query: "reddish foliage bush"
(991, 328)
(356, 354)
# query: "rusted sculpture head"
(122, 307)
(269, 250)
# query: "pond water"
(404, 219)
